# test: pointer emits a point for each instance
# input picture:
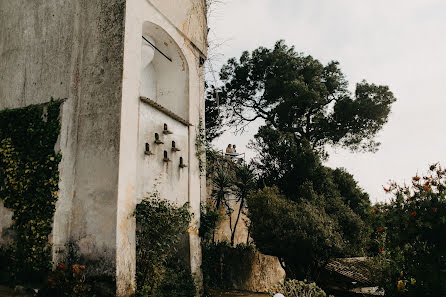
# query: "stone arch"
(164, 72)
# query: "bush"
(301, 235)
(178, 282)
(67, 280)
(208, 222)
(160, 226)
(76, 276)
(409, 236)
(295, 288)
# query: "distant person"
(229, 149)
(234, 150)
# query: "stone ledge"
(165, 111)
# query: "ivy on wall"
(29, 178)
(200, 145)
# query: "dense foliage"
(159, 270)
(317, 210)
(302, 234)
(295, 288)
(299, 95)
(409, 233)
(30, 176)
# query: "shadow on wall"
(164, 71)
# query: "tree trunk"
(242, 202)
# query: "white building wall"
(139, 12)
(73, 50)
(153, 172)
(90, 53)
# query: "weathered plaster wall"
(189, 17)
(72, 49)
(81, 50)
(171, 76)
(153, 173)
(139, 12)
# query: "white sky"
(400, 43)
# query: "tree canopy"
(297, 94)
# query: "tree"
(308, 213)
(298, 173)
(351, 194)
(302, 235)
(222, 182)
(287, 164)
(244, 184)
(297, 94)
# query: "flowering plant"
(409, 233)
(67, 280)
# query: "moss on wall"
(30, 176)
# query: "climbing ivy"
(200, 144)
(29, 178)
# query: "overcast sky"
(393, 42)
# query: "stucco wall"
(89, 52)
(73, 50)
(167, 178)
(189, 17)
(138, 13)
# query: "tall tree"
(308, 212)
(297, 94)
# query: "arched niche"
(162, 80)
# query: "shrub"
(302, 235)
(160, 226)
(208, 222)
(296, 288)
(409, 236)
(67, 280)
(178, 281)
